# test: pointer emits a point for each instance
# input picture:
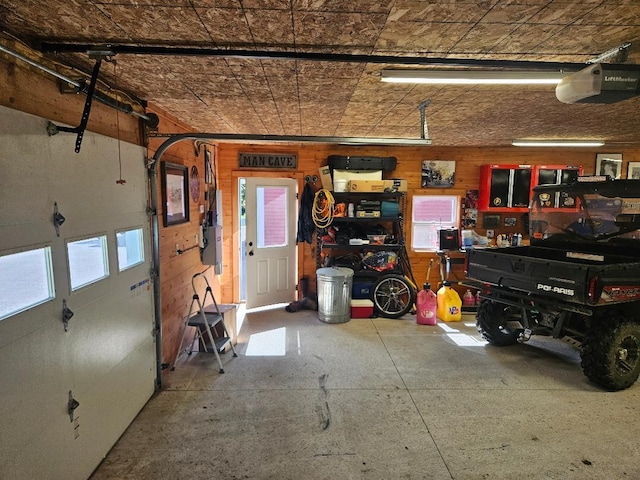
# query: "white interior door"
(97, 264)
(271, 213)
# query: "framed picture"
(438, 173)
(609, 164)
(491, 221)
(633, 170)
(175, 193)
(510, 221)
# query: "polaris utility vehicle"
(578, 280)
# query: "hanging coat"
(306, 226)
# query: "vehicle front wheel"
(393, 296)
(492, 322)
(611, 353)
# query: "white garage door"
(99, 267)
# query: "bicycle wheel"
(393, 296)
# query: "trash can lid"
(340, 272)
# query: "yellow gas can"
(449, 304)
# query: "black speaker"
(449, 239)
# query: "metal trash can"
(334, 294)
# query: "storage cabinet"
(553, 175)
(504, 188)
(509, 188)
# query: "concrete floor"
(379, 399)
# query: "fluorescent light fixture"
(473, 77)
(557, 143)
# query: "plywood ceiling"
(301, 97)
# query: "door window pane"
(26, 280)
(272, 216)
(130, 248)
(88, 261)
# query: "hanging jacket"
(306, 226)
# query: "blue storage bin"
(389, 208)
(361, 290)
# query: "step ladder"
(205, 319)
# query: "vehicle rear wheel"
(611, 353)
(393, 296)
(492, 322)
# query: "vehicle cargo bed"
(562, 274)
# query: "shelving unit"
(392, 294)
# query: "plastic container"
(449, 304)
(426, 306)
(361, 308)
(467, 238)
(334, 294)
(376, 239)
(340, 185)
(361, 290)
(468, 299)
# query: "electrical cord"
(322, 212)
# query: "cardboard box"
(349, 175)
(325, 178)
(378, 186)
(367, 186)
(397, 185)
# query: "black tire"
(611, 352)
(491, 321)
(393, 296)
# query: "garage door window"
(88, 261)
(26, 280)
(130, 248)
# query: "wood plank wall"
(29, 90)
(468, 162)
(177, 270)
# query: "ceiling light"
(473, 77)
(557, 143)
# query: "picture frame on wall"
(174, 181)
(438, 173)
(609, 164)
(491, 221)
(633, 171)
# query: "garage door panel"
(105, 334)
(107, 356)
(128, 382)
(18, 327)
(16, 236)
(76, 178)
(36, 377)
